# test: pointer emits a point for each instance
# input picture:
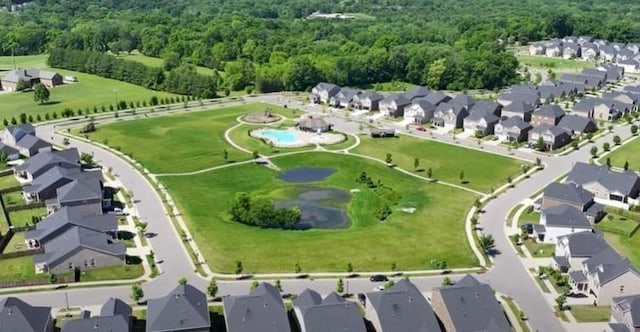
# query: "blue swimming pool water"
(280, 136)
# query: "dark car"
(527, 228)
(421, 129)
(378, 278)
(362, 298)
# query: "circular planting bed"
(265, 117)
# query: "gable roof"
(97, 324)
(520, 97)
(448, 107)
(83, 188)
(262, 307)
(487, 116)
(27, 75)
(68, 158)
(565, 216)
(472, 306)
(114, 307)
(67, 217)
(331, 88)
(331, 314)
(607, 264)
(576, 123)
(518, 107)
(516, 121)
(630, 305)
(463, 100)
(585, 105)
(17, 315)
(399, 100)
(416, 92)
(546, 128)
(7, 149)
(584, 244)
(485, 106)
(346, 94)
(374, 96)
(553, 111)
(622, 182)
(18, 131)
(31, 142)
(183, 309)
(403, 308)
(568, 193)
(436, 97)
(423, 105)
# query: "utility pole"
(66, 297)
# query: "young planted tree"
(429, 173)
(626, 165)
(182, 281)
(340, 286)
(388, 159)
(606, 146)
(461, 176)
(225, 154)
(349, 267)
(212, 288)
(136, 293)
(254, 285)
(561, 301)
(540, 146)
(634, 130)
(279, 285)
(255, 155)
(239, 268)
(594, 151)
(538, 163)
(447, 281)
(608, 162)
(297, 268)
(416, 163)
(617, 140)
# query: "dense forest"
(446, 44)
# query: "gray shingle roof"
(578, 276)
(609, 265)
(400, 100)
(594, 72)
(569, 193)
(516, 121)
(527, 98)
(519, 107)
(261, 310)
(631, 305)
(87, 187)
(114, 307)
(32, 142)
(463, 100)
(576, 123)
(552, 111)
(18, 131)
(403, 308)
(331, 314)
(622, 182)
(185, 308)
(416, 92)
(436, 98)
(423, 104)
(485, 107)
(561, 261)
(488, 117)
(472, 306)
(346, 94)
(97, 324)
(585, 244)
(445, 108)
(552, 91)
(68, 217)
(329, 87)
(44, 160)
(552, 130)
(565, 216)
(585, 105)
(27, 75)
(374, 96)
(7, 149)
(17, 315)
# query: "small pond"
(320, 208)
(305, 174)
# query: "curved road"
(508, 275)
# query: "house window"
(70, 265)
(93, 262)
(622, 289)
(85, 263)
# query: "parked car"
(378, 278)
(421, 129)
(494, 138)
(378, 288)
(527, 228)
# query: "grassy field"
(130, 271)
(8, 181)
(16, 244)
(554, 63)
(482, 170)
(617, 224)
(158, 62)
(89, 91)
(434, 231)
(529, 217)
(23, 217)
(589, 313)
(180, 143)
(13, 198)
(539, 250)
(627, 152)
(626, 246)
(20, 268)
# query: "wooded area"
(446, 44)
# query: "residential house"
(507, 98)
(485, 106)
(416, 92)
(606, 110)
(605, 275)
(577, 125)
(42, 162)
(618, 46)
(584, 39)
(17, 315)
(331, 314)
(393, 105)
(573, 249)
(614, 72)
(9, 152)
(367, 100)
(547, 114)
(463, 100)
(618, 189)
(600, 42)
(589, 52)
(621, 97)
(343, 98)
(570, 50)
(584, 107)
(537, 49)
(524, 88)
(115, 316)
(552, 93)
(553, 50)
(625, 314)
(262, 307)
(66, 218)
(556, 194)
(630, 66)
(633, 47)
(600, 74)
(561, 220)
(513, 129)
(518, 108)
(183, 310)
(607, 53)
(436, 98)
(591, 82)
(87, 193)
(569, 40)
(481, 122)
(553, 137)
(468, 306)
(79, 248)
(420, 111)
(45, 187)
(23, 138)
(449, 115)
(30, 77)
(322, 92)
(624, 55)
(400, 308)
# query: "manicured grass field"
(88, 92)
(482, 170)
(158, 62)
(23, 217)
(538, 250)
(618, 224)
(8, 181)
(16, 244)
(181, 143)
(130, 271)
(627, 152)
(13, 198)
(529, 217)
(589, 313)
(626, 246)
(434, 231)
(20, 268)
(554, 63)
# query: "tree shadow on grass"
(133, 260)
(50, 102)
(125, 235)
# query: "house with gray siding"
(518, 108)
(368, 100)
(573, 249)
(87, 192)
(420, 111)
(45, 186)
(333, 313)
(613, 188)
(344, 97)
(561, 220)
(577, 125)
(44, 161)
(322, 92)
(553, 137)
(17, 315)
(183, 310)
(449, 115)
(263, 307)
(436, 98)
(556, 194)
(9, 152)
(482, 123)
(23, 138)
(416, 92)
(393, 105)
(513, 129)
(625, 313)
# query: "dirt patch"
(265, 117)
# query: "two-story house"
(547, 114)
(552, 136)
(513, 129)
(613, 188)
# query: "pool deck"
(302, 138)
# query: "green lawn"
(180, 143)
(23, 217)
(16, 244)
(158, 62)
(590, 313)
(539, 250)
(346, 144)
(20, 268)
(8, 181)
(13, 198)
(618, 224)
(626, 246)
(554, 63)
(89, 91)
(131, 271)
(482, 170)
(434, 231)
(628, 152)
(529, 216)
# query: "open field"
(482, 170)
(626, 246)
(89, 91)
(158, 62)
(434, 231)
(23, 217)
(555, 64)
(627, 152)
(180, 143)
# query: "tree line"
(259, 211)
(180, 80)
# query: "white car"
(379, 288)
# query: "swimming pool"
(280, 136)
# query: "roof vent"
(410, 299)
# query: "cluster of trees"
(259, 211)
(181, 80)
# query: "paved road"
(508, 275)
